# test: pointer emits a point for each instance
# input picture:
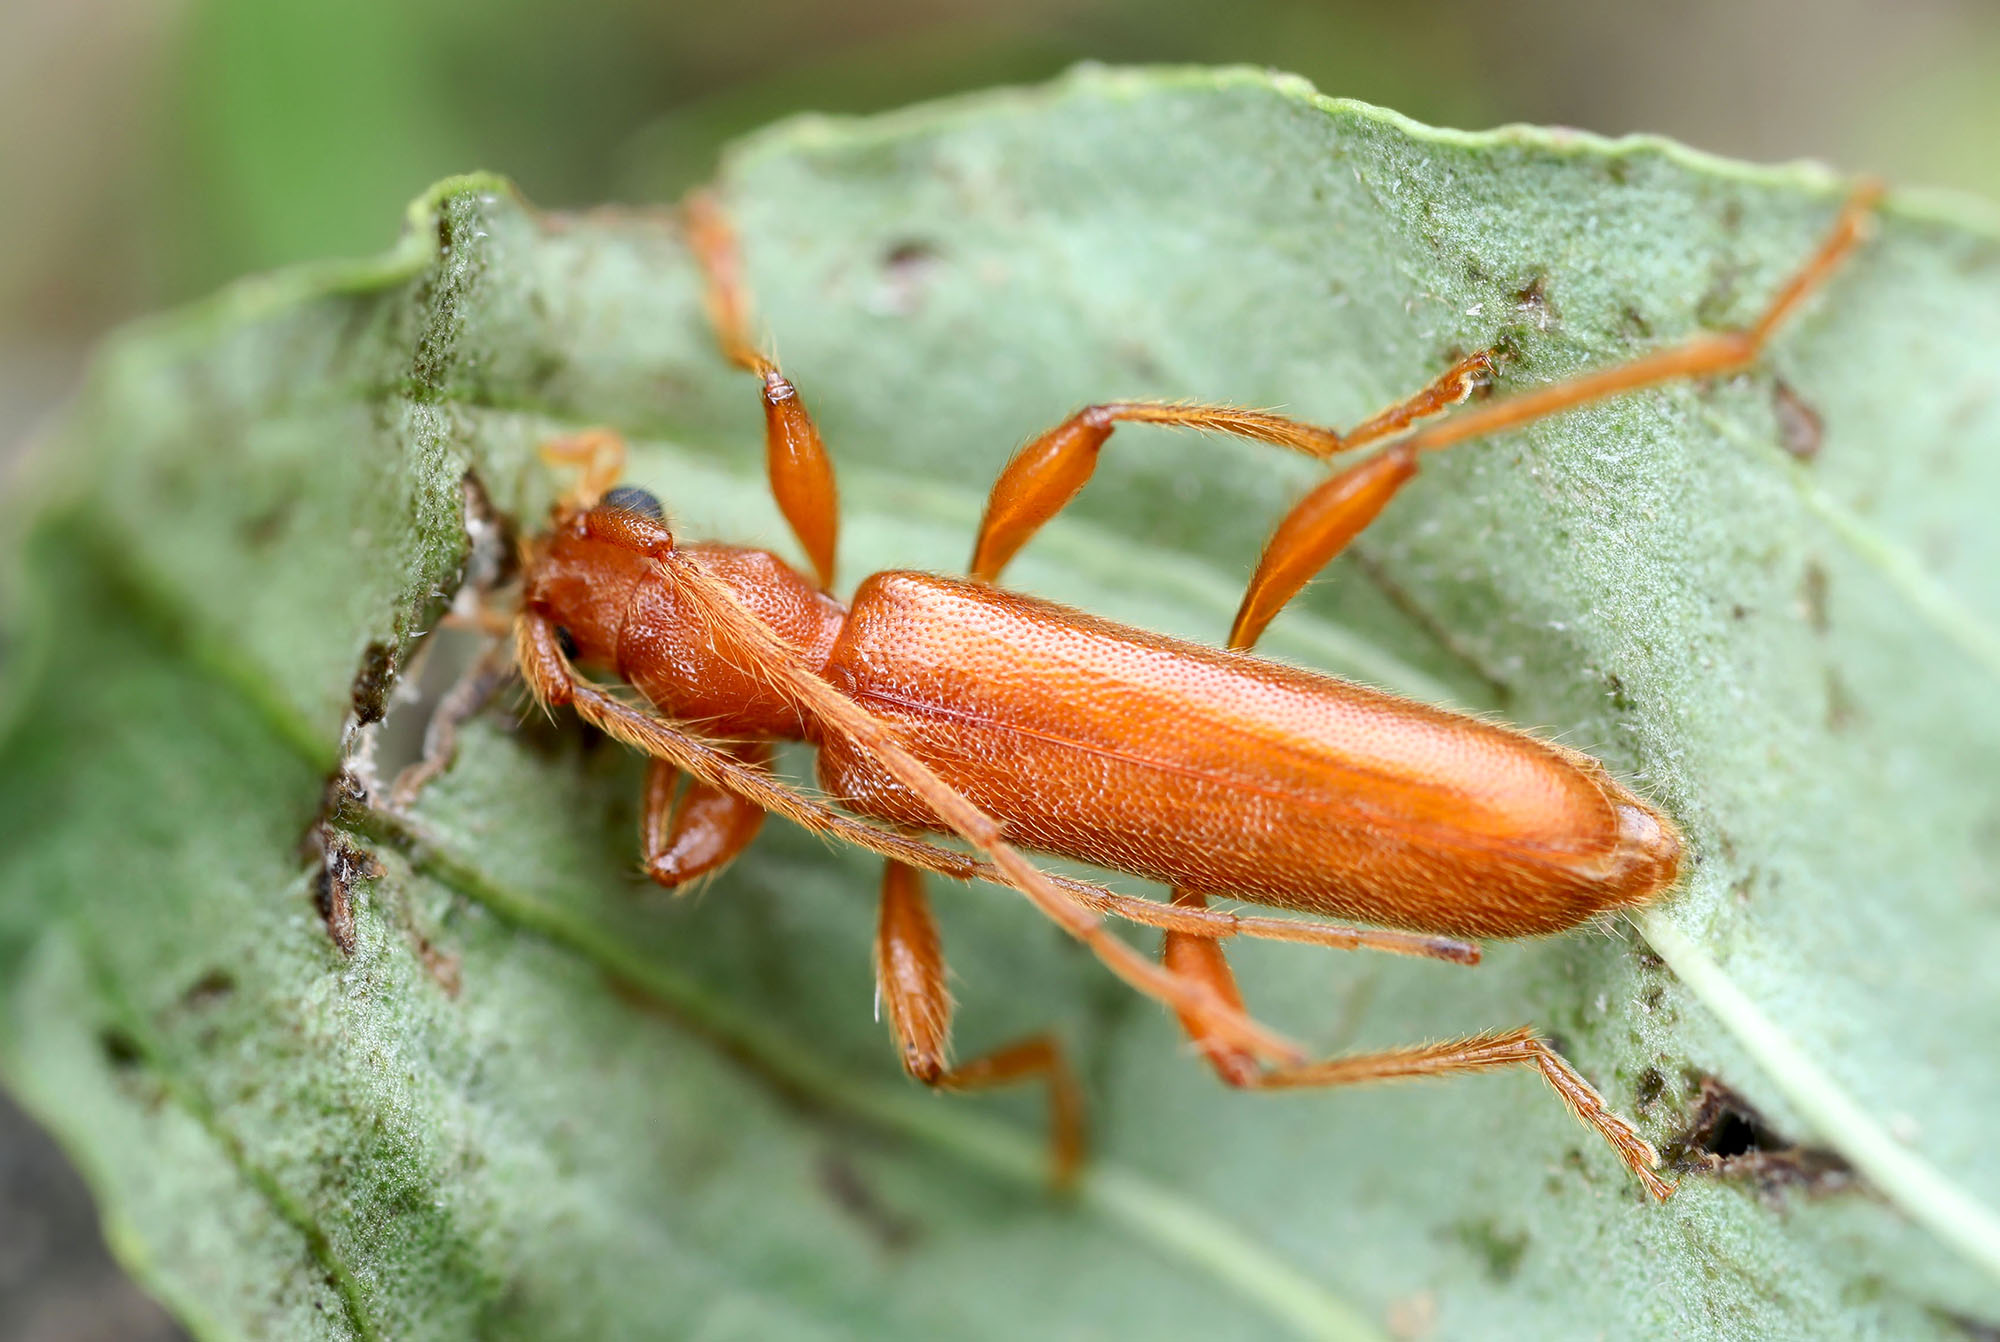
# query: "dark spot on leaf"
(1841, 709)
(908, 268)
(334, 901)
(445, 969)
(342, 863)
(1732, 216)
(1812, 596)
(1727, 1137)
(373, 682)
(1139, 359)
(1739, 612)
(1717, 305)
(853, 1195)
(1634, 323)
(263, 530)
(1615, 687)
(212, 987)
(544, 369)
(1532, 299)
(1800, 428)
(1647, 1090)
(120, 1049)
(1500, 1251)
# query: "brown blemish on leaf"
(214, 986)
(444, 967)
(853, 1195)
(1727, 1137)
(1841, 710)
(1532, 300)
(264, 530)
(340, 861)
(1412, 1317)
(373, 682)
(1812, 596)
(333, 886)
(1500, 1251)
(1801, 430)
(1716, 309)
(908, 268)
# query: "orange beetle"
(950, 706)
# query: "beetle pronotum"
(948, 705)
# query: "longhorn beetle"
(951, 705)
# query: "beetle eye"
(634, 500)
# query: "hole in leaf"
(1727, 1136)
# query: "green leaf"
(541, 1100)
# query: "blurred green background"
(153, 149)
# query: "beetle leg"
(1704, 356)
(1203, 958)
(538, 653)
(910, 976)
(1320, 525)
(471, 693)
(1051, 470)
(1317, 528)
(1508, 1048)
(711, 828)
(795, 458)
